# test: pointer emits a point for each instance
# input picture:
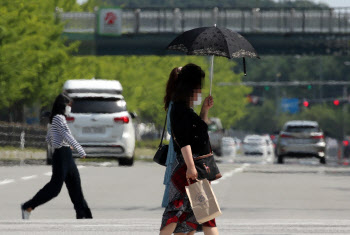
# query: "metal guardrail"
(78, 22)
(22, 136)
(256, 20)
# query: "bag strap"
(172, 133)
(189, 181)
(161, 141)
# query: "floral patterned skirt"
(179, 209)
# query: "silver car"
(301, 139)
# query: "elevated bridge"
(270, 30)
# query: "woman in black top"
(64, 169)
(190, 133)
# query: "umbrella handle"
(211, 72)
(244, 67)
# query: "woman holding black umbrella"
(190, 133)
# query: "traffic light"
(255, 100)
(336, 102)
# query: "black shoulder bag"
(162, 152)
(205, 165)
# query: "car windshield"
(254, 140)
(302, 129)
(98, 105)
(212, 127)
(227, 140)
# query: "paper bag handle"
(189, 182)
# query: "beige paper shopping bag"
(203, 201)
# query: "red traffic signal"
(336, 102)
(306, 103)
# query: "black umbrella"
(214, 41)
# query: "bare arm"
(207, 104)
(191, 169)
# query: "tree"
(144, 78)
(33, 54)
(229, 101)
(263, 119)
(259, 119)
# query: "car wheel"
(280, 159)
(126, 161)
(48, 156)
(323, 160)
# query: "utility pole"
(277, 100)
(321, 77)
(345, 110)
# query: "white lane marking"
(104, 225)
(231, 173)
(105, 164)
(81, 167)
(48, 173)
(29, 177)
(6, 181)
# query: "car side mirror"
(133, 115)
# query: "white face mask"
(199, 100)
(68, 110)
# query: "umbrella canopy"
(214, 41)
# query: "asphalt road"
(300, 197)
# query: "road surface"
(295, 198)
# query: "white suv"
(100, 121)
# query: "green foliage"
(152, 144)
(35, 62)
(67, 5)
(33, 54)
(229, 101)
(297, 68)
(144, 78)
(263, 119)
(260, 119)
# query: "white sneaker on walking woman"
(25, 213)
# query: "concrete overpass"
(270, 30)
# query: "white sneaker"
(25, 213)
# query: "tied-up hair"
(190, 78)
(171, 86)
(59, 106)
